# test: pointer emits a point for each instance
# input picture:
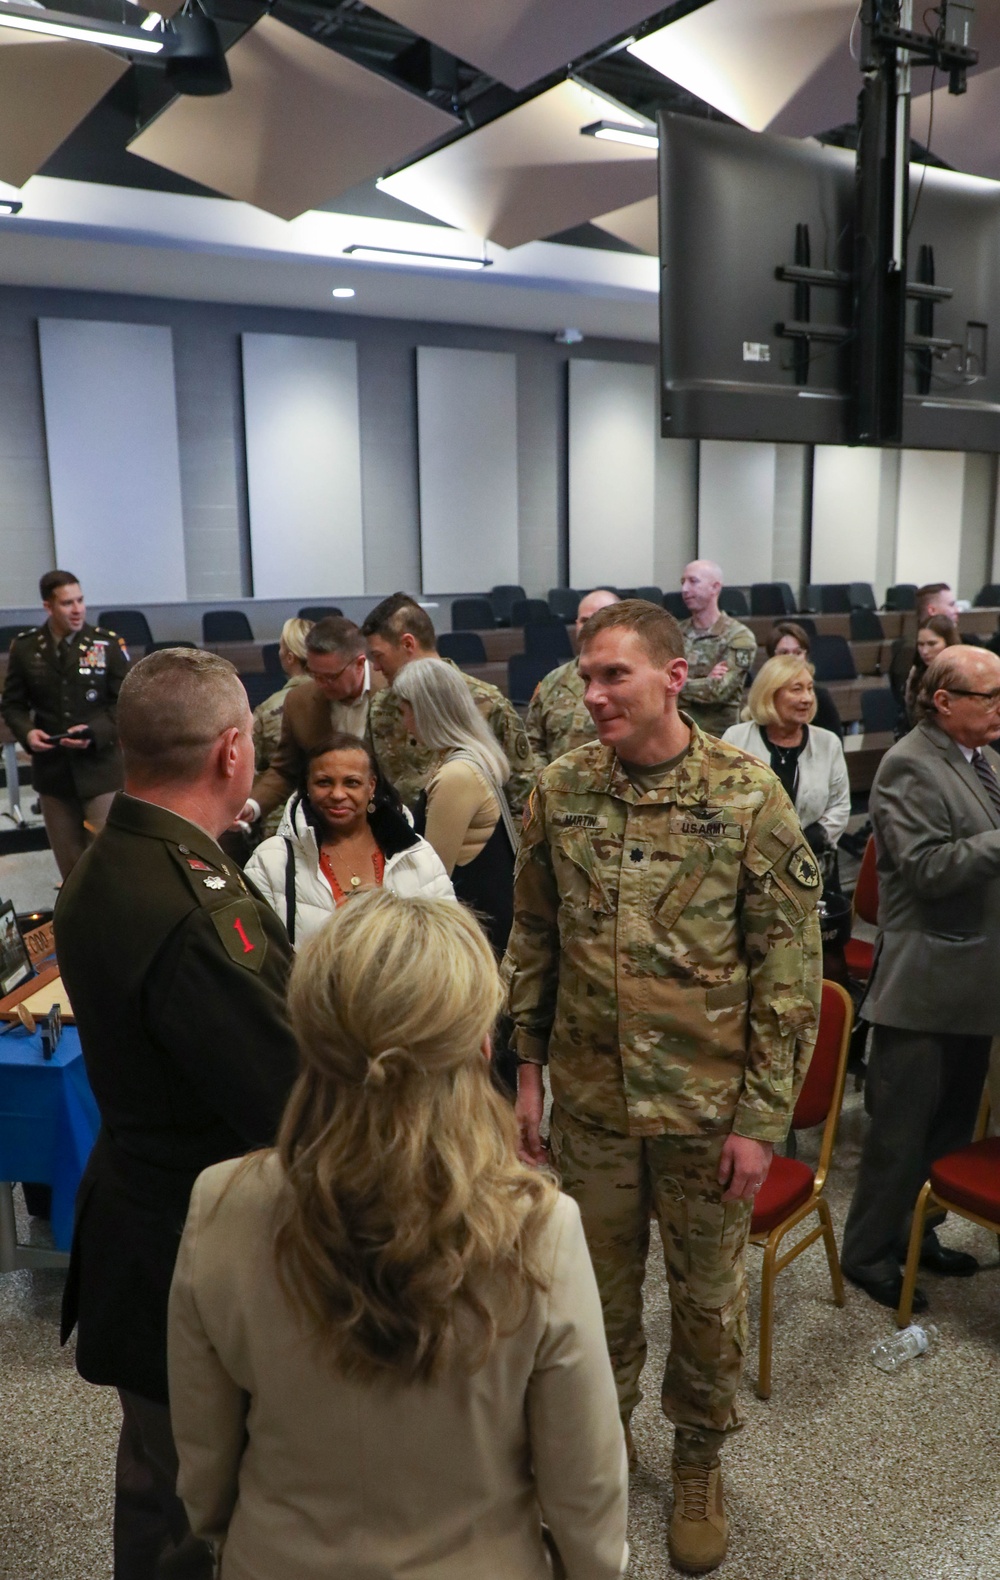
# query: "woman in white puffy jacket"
(346, 830)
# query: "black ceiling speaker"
(196, 63)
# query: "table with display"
(48, 1125)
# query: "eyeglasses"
(991, 698)
(322, 677)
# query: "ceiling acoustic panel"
(519, 41)
(965, 131)
(773, 65)
(47, 86)
(530, 174)
(636, 223)
(301, 125)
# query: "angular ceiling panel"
(966, 130)
(636, 223)
(519, 41)
(301, 125)
(773, 65)
(530, 174)
(47, 86)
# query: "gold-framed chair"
(966, 1182)
(792, 1190)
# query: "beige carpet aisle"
(845, 1474)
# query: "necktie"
(989, 779)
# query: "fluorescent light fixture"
(425, 260)
(343, 291)
(152, 22)
(81, 30)
(612, 132)
(619, 113)
(10, 206)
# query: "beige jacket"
(304, 1475)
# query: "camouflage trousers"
(617, 1181)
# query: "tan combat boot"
(699, 1530)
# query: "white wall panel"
(300, 399)
(736, 500)
(114, 469)
(845, 519)
(467, 443)
(612, 473)
(929, 529)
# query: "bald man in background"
(719, 650)
(557, 719)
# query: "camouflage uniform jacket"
(557, 719)
(665, 958)
(266, 735)
(715, 704)
(407, 765)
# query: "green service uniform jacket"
(665, 959)
(176, 969)
(52, 685)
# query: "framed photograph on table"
(15, 962)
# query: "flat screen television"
(731, 206)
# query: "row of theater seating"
(509, 605)
(217, 625)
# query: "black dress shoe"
(939, 1258)
(886, 1291)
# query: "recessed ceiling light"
(343, 291)
(425, 260)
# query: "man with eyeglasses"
(934, 996)
(335, 702)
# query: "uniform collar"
(686, 785)
(158, 822)
(719, 628)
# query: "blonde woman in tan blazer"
(387, 1356)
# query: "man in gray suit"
(934, 996)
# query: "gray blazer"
(937, 840)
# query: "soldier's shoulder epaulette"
(30, 630)
(212, 883)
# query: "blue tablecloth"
(48, 1120)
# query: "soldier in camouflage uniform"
(665, 963)
(557, 718)
(719, 651)
(267, 716)
(398, 631)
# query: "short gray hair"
(445, 716)
(172, 708)
(336, 634)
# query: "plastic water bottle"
(894, 1352)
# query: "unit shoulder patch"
(242, 934)
(802, 867)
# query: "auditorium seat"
(271, 655)
(501, 597)
(832, 659)
(988, 597)
(675, 605)
(902, 596)
(530, 611)
(733, 601)
(472, 614)
(860, 952)
(130, 624)
(549, 640)
(258, 688)
(772, 598)
(319, 611)
(861, 595)
(225, 625)
(564, 602)
(9, 632)
(828, 598)
(651, 594)
(523, 675)
(462, 647)
(866, 626)
(879, 712)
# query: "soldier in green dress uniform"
(59, 700)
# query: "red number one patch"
(247, 945)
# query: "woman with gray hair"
(462, 811)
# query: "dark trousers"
(923, 1092)
(153, 1540)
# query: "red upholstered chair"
(792, 1190)
(858, 953)
(966, 1182)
